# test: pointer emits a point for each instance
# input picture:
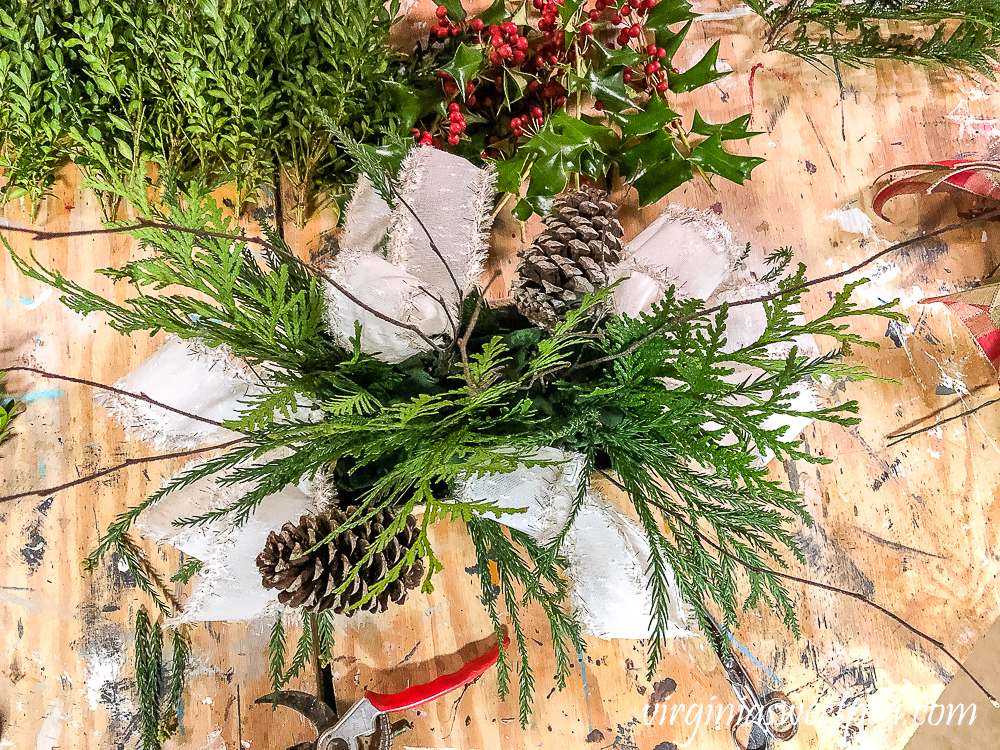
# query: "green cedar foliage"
(159, 687)
(211, 91)
(647, 401)
(9, 408)
(959, 34)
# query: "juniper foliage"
(646, 400)
(959, 34)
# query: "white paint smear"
(852, 220)
(48, 735)
(101, 669)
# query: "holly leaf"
(625, 56)
(412, 104)
(495, 14)
(464, 66)
(671, 42)
(568, 9)
(605, 85)
(509, 173)
(699, 74)
(594, 134)
(514, 85)
(730, 131)
(668, 12)
(455, 10)
(558, 155)
(652, 118)
(655, 167)
(712, 157)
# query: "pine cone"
(310, 580)
(569, 258)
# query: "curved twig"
(112, 389)
(111, 469)
(824, 586)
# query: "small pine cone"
(569, 258)
(309, 580)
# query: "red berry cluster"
(456, 123)
(456, 126)
(653, 76)
(536, 117)
(445, 27)
(629, 17)
(508, 44)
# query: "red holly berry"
(521, 43)
(600, 5)
(441, 12)
(537, 4)
(561, 101)
(634, 30)
(649, 69)
(594, 15)
(496, 41)
(508, 27)
(494, 30)
(651, 49)
(537, 113)
(625, 10)
(662, 87)
(515, 123)
(505, 51)
(616, 19)
(599, 105)
(456, 30)
(661, 53)
(476, 24)
(623, 38)
(626, 76)
(518, 57)
(545, 24)
(441, 31)
(453, 140)
(587, 29)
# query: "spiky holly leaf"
(656, 114)
(655, 167)
(413, 103)
(605, 85)
(672, 42)
(666, 14)
(607, 57)
(712, 157)
(569, 8)
(464, 66)
(509, 173)
(731, 131)
(701, 73)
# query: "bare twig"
(112, 469)
(816, 584)
(434, 247)
(112, 389)
(899, 438)
(205, 233)
(791, 290)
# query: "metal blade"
(320, 714)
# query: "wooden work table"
(907, 525)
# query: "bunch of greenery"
(211, 91)
(399, 435)
(580, 98)
(959, 34)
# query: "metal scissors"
(368, 715)
(769, 718)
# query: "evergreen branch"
(118, 467)
(800, 287)
(148, 665)
(116, 391)
(188, 570)
(276, 655)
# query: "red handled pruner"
(369, 714)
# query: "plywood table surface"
(908, 525)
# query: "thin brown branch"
(112, 389)
(899, 438)
(793, 289)
(167, 227)
(463, 343)
(434, 247)
(112, 469)
(816, 584)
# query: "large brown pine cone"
(569, 258)
(309, 580)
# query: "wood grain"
(909, 525)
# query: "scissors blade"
(318, 712)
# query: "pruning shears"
(369, 714)
(769, 718)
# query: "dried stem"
(434, 247)
(899, 438)
(205, 233)
(112, 389)
(791, 290)
(112, 469)
(816, 584)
